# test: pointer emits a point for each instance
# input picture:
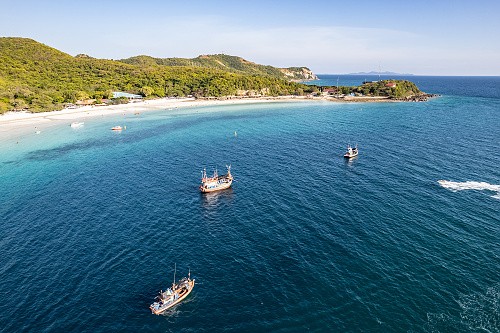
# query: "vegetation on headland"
(392, 89)
(227, 63)
(36, 77)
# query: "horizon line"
(451, 75)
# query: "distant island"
(380, 73)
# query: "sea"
(403, 238)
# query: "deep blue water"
(92, 222)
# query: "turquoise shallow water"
(93, 221)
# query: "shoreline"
(18, 123)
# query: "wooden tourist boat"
(216, 182)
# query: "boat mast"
(175, 269)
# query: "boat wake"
(478, 312)
(460, 186)
(481, 310)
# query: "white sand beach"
(16, 124)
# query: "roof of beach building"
(85, 102)
(118, 94)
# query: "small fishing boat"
(216, 182)
(351, 151)
(77, 124)
(173, 295)
(116, 128)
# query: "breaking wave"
(460, 186)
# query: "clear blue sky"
(419, 37)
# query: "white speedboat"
(351, 151)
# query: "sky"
(330, 37)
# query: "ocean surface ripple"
(403, 238)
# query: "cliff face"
(298, 74)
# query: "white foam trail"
(481, 310)
(460, 186)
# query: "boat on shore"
(351, 151)
(77, 124)
(216, 182)
(173, 295)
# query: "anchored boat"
(351, 151)
(216, 182)
(173, 295)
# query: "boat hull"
(217, 188)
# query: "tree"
(146, 91)
(81, 95)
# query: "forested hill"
(36, 77)
(227, 63)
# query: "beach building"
(85, 102)
(330, 91)
(132, 97)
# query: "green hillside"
(226, 63)
(36, 77)
(395, 89)
(401, 88)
